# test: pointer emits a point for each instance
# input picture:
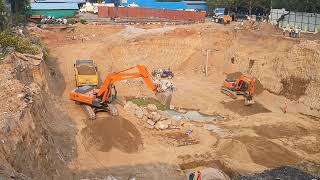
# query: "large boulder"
(139, 113)
(150, 122)
(156, 116)
(152, 107)
(162, 125)
(130, 107)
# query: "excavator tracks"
(113, 110)
(228, 92)
(90, 111)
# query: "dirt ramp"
(108, 132)
(267, 153)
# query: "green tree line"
(258, 6)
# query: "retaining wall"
(177, 15)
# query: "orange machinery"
(95, 100)
(244, 85)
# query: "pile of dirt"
(239, 108)
(117, 132)
(268, 153)
(261, 26)
(85, 70)
(284, 172)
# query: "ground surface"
(255, 138)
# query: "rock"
(162, 125)
(150, 122)
(149, 115)
(130, 107)
(145, 118)
(145, 112)
(156, 117)
(149, 126)
(152, 107)
(139, 113)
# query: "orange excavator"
(96, 100)
(244, 85)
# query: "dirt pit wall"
(293, 73)
(37, 138)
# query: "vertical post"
(207, 61)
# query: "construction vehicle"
(96, 100)
(220, 17)
(244, 85)
(163, 73)
(86, 73)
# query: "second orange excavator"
(244, 85)
(95, 100)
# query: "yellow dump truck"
(86, 73)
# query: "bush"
(20, 44)
(83, 21)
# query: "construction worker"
(191, 176)
(299, 31)
(199, 176)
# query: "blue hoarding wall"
(161, 5)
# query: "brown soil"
(182, 50)
(117, 132)
(267, 153)
(180, 139)
(238, 107)
(282, 130)
(85, 70)
(294, 87)
(311, 116)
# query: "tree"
(312, 6)
(3, 16)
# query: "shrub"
(20, 44)
(83, 21)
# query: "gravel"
(280, 173)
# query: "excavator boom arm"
(143, 73)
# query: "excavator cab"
(244, 85)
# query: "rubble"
(152, 107)
(162, 125)
(139, 113)
(151, 116)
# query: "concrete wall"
(309, 22)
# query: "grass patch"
(20, 44)
(145, 102)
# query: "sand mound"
(105, 133)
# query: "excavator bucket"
(165, 98)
